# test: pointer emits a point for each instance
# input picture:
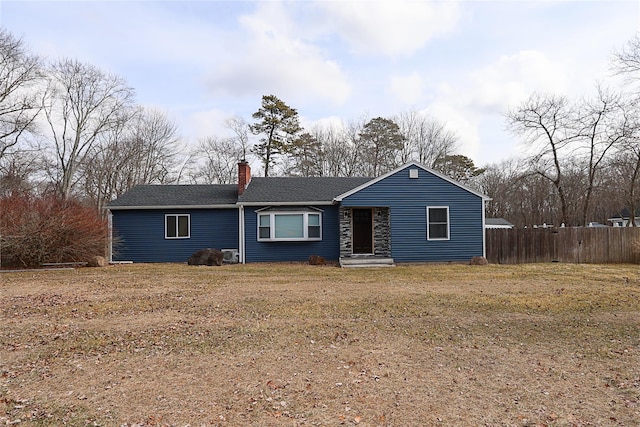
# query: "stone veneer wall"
(381, 232)
(345, 231)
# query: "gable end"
(411, 166)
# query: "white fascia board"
(270, 204)
(133, 208)
(405, 166)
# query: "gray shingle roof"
(177, 195)
(297, 189)
(260, 190)
(497, 221)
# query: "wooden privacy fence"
(590, 245)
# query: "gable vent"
(413, 173)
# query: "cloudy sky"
(464, 62)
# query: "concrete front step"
(355, 262)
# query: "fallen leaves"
(278, 345)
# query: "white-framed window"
(437, 222)
(177, 226)
(289, 226)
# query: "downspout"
(241, 244)
(484, 230)
(110, 236)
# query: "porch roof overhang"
(289, 209)
(273, 204)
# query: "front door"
(362, 229)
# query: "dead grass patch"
(274, 344)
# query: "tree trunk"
(267, 156)
(632, 187)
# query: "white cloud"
(271, 59)
(389, 27)
(469, 61)
(407, 89)
(512, 78)
(203, 124)
(330, 122)
(472, 104)
(459, 121)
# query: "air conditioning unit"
(231, 256)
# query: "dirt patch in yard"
(287, 344)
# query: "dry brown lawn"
(292, 344)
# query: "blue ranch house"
(411, 214)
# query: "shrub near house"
(37, 230)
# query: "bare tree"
(107, 165)
(534, 200)
(624, 173)
(626, 61)
(355, 161)
(340, 149)
(623, 169)
(140, 148)
(333, 149)
(80, 104)
(624, 166)
(426, 140)
(155, 138)
(546, 123)
(20, 74)
(17, 172)
(219, 158)
(240, 129)
(519, 194)
(603, 125)
(499, 181)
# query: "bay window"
(289, 226)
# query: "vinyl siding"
(408, 199)
(141, 234)
(328, 247)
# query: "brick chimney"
(244, 175)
